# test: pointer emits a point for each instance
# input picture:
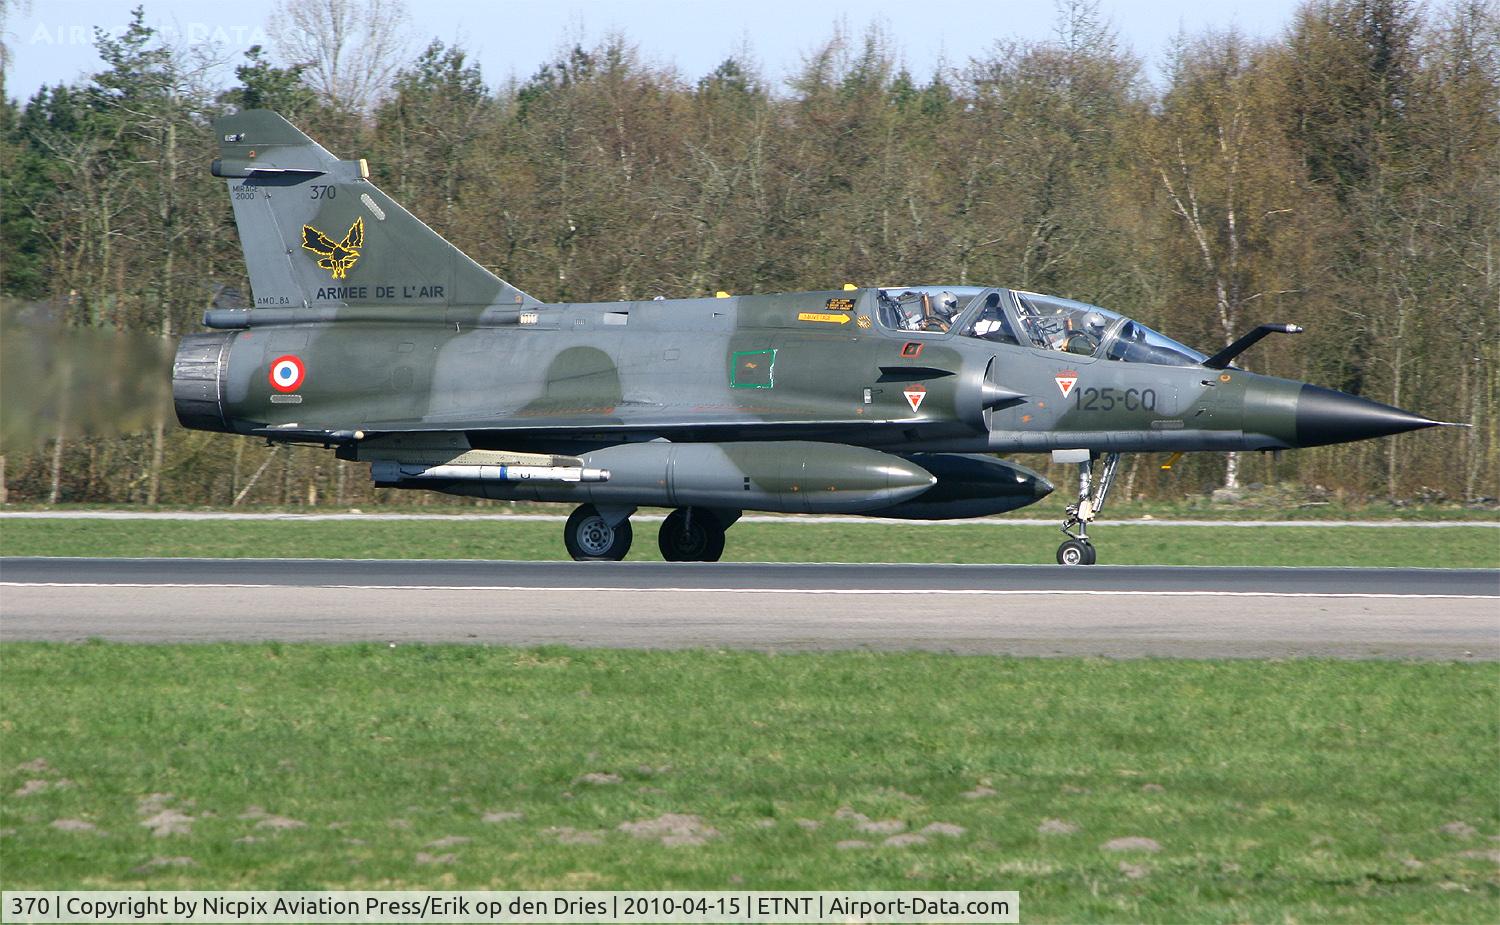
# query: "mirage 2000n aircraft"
(372, 335)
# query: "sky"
(51, 41)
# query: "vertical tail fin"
(317, 232)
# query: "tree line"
(1344, 175)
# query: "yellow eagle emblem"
(338, 259)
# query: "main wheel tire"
(1075, 552)
(590, 538)
(696, 539)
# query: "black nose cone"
(1325, 416)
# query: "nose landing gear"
(1077, 550)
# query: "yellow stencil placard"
(825, 317)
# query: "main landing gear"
(1077, 550)
(595, 534)
(694, 534)
(689, 534)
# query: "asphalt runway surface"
(1116, 611)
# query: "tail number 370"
(1107, 399)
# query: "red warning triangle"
(914, 395)
(1065, 380)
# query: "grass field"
(1458, 546)
(1147, 790)
(1287, 791)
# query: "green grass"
(1296, 791)
(1468, 547)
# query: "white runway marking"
(962, 592)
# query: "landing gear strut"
(1077, 550)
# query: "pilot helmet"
(947, 304)
(1094, 322)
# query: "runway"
(1116, 611)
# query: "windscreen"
(1053, 323)
(1136, 343)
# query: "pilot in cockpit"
(1085, 339)
(945, 308)
(922, 311)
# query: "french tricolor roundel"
(287, 373)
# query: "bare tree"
(7, 7)
(1225, 179)
(351, 49)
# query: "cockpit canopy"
(1043, 322)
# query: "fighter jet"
(373, 336)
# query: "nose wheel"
(1077, 550)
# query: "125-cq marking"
(1106, 398)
